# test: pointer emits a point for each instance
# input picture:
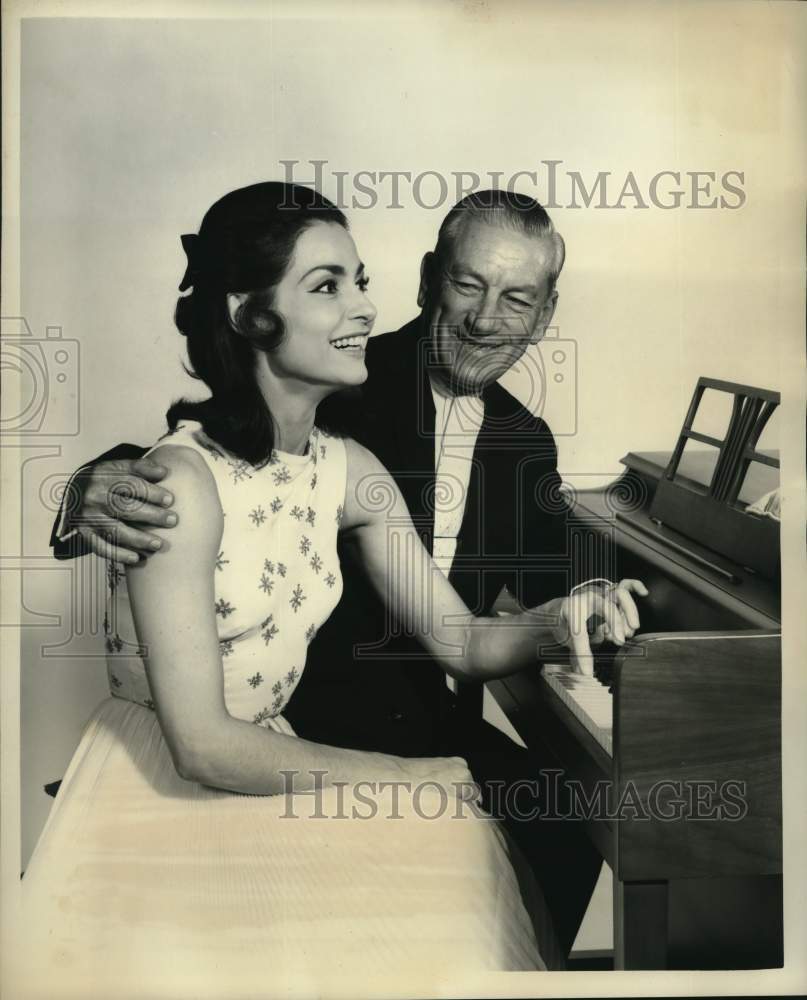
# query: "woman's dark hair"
(244, 244)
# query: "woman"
(276, 322)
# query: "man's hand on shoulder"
(190, 546)
(112, 505)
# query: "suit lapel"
(483, 485)
(413, 430)
(487, 520)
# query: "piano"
(673, 746)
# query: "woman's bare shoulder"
(361, 460)
(371, 493)
(196, 496)
(184, 463)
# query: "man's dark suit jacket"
(394, 698)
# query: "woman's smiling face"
(322, 299)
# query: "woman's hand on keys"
(611, 612)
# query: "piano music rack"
(715, 518)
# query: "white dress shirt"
(457, 420)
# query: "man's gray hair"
(503, 208)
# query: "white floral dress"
(277, 576)
(141, 877)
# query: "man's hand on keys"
(614, 611)
(116, 502)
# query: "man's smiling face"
(485, 301)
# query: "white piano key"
(588, 700)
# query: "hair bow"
(189, 245)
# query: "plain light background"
(131, 128)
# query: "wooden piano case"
(688, 810)
(692, 831)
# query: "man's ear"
(544, 317)
(234, 302)
(427, 266)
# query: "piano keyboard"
(588, 700)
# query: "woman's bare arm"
(419, 597)
(172, 599)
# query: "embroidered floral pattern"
(257, 516)
(297, 598)
(281, 601)
(268, 629)
(240, 471)
(113, 643)
(114, 574)
(339, 513)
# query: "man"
(479, 475)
